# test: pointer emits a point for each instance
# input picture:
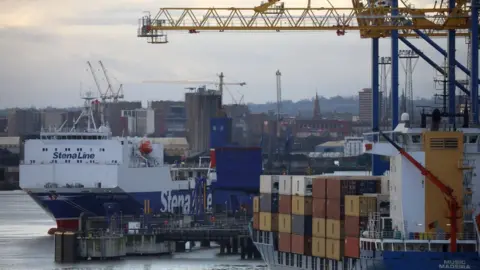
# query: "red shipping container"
(256, 221)
(335, 210)
(302, 244)
(319, 188)
(352, 247)
(337, 188)
(355, 225)
(284, 242)
(319, 207)
(285, 204)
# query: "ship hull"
(379, 261)
(66, 206)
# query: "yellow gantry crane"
(372, 18)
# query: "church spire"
(316, 107)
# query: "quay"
(103, 238)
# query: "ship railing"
(466, 164)
(36, 162)
(415, 236)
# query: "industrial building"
(170, 118)
(138, 122)
(200, 107)
(23, 122)
(113, 114)
(366, 104)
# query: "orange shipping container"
(284, 223)
(335, 229)
(285, 204)
(284, 242)
(301, 205)
(319, 187)
(335, 210)
(319, 227)
(256, 221)
(318, 247)
(355, 225)
(268, 222)
(334, 249)
(352, 247)
(318, 207)
(302, 245)
(360, 206)
(256, 204)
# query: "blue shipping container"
(238, 168)
(220, 132)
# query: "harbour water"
(25, 244)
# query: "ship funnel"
(436, 119)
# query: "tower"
(316, 107)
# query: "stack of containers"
(301, 238)
(268, 203)
(357, 209)
(256, 213)
(285, 214)
(319, 219)
(336, 190)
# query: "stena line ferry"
(70, 172)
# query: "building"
(52, 118)
(113, 115)
(322, 127)
(200, 107)
(365, 105)
(138, 122)
(23, 122)
(330, 147)
(170, 118)
(353, 146)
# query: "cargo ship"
(72, 172)
(401, 220)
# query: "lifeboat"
(145, 147)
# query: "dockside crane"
(114, 95)
(450, 198)
(103, 94)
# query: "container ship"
(402, 220)
(72, 172)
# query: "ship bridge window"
(472, 139)
(416, 138)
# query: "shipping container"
(302, 225)
(318, 247)
(360, 206)
(302, 185)
(268, 222)
(319, 185)
(285, 184)
(338, 187)
(256, 221)
(319, 228)
(269, 203)
(383, 203)
(301, 205)
(268, 184)
(256, 204)
(302, 244)
(335, 210)
(285, 204)
(352, 247)
(319, 207)
(335, 229)
(284, 242)
(285, 223)
(355, 225)
(334, 249)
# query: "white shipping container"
(268, 184)
(301, 185)
(285, 185)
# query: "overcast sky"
(44, 46)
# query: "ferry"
(418, 233)
(73, 172)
